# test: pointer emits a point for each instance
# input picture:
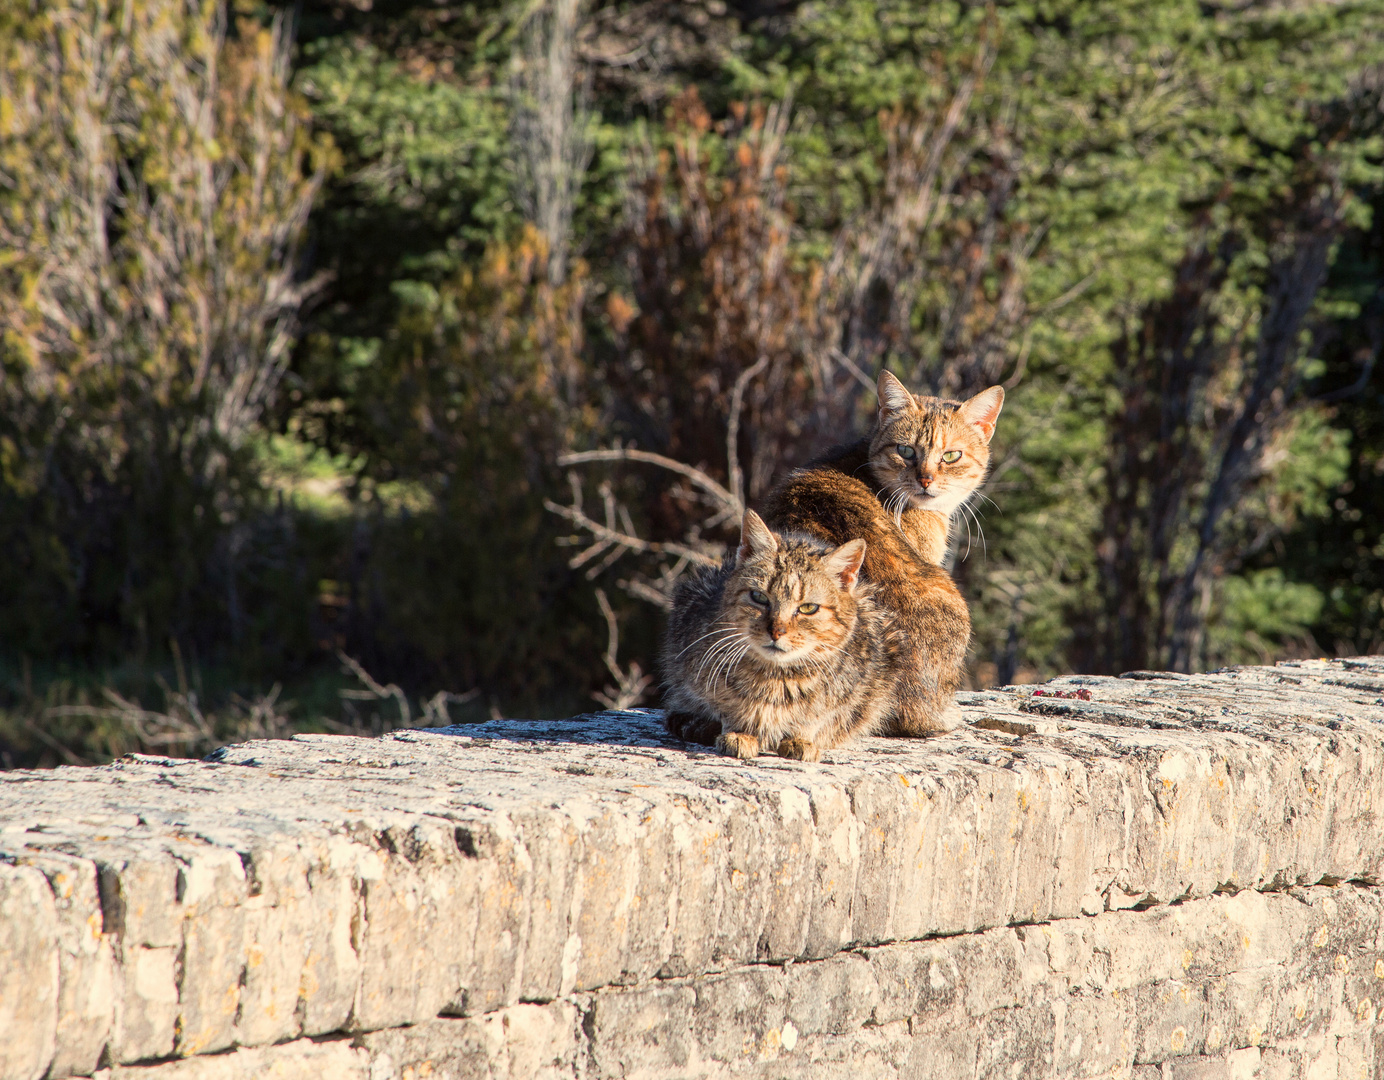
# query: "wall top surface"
(332, 883)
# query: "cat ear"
(844, 563)
(755, 538)
(894, 397)
(983, 410)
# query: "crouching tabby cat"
(896, 490)
(782, 649)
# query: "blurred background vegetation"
(377, 363)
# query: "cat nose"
(926, 479)
(777, 630)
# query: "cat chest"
(790, 698)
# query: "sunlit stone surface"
(1173, 878)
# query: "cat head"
(929, 452)
(790, 596)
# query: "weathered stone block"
(212, 895)
(302, 1060)
(29, 971)
(86, 966)
(522, 1042)
(139, 902)
(1175, 877)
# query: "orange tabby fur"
(901, 508)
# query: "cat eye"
(906, 452)
(759, 598)
(808, 609)
(951, 456)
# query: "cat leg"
(923, 702)
(737, 744)
(799, 750)
(692, 727)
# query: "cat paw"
(919, 724)
(951, 718)
(691, 728)
(737, 744)
(799, 750)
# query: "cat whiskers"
(722, 658)
(897, 502)
(904, 500)
(727, 664)
(730, 631)
(982, 495)
(961, 506)
(817, 659)
(712, 656)
(971, 516)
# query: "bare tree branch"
(631, 683)
(701, 479)
(851, 366)
(1366, 370)
(374, 691)
(435, 711)
(551, 124)
(643, 591)
(737, 401)
(608, 535)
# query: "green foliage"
(1261, 613)
(1112, 207)
(1340, 549)
(426, 156)
(157, 179)
(464, 584)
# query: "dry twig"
(374, 691)
(435, 713)
(631, 683)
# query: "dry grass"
(66, 723)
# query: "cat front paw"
(799, 750)
(918, 723)
(692, 728)
(737, 744)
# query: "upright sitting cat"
(896, 490)
(781, 649)
(926, 456)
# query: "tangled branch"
(631, 683)
(435, 712)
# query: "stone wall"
(1152, 876)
